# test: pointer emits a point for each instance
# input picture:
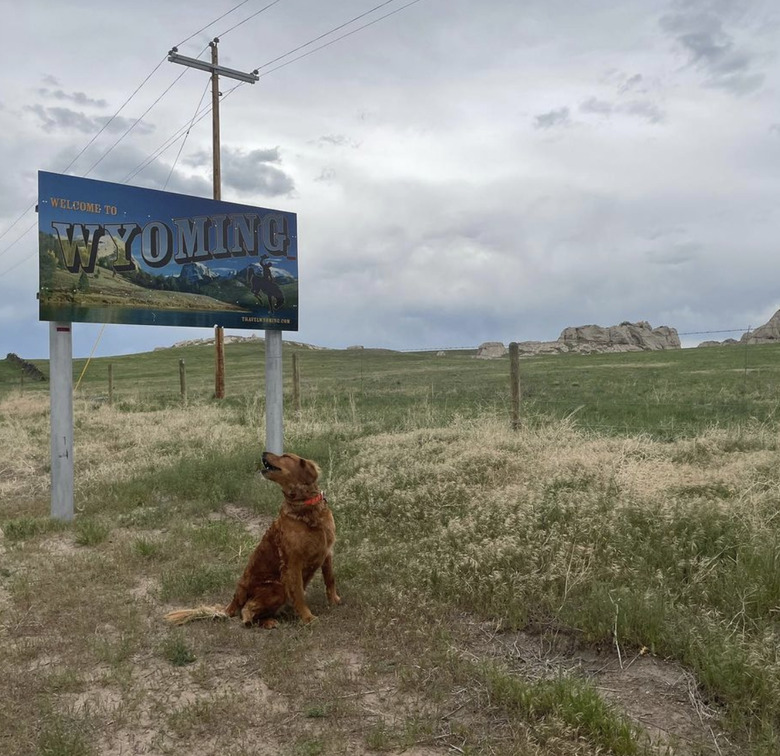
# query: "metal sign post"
(274, 397)
(61, 396)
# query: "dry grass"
(597, 547)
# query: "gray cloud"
(644, 109)
(553, 118)
(65, 119)
(710, 49)
(327, 175)
(337, 140)
(124, 161)
(203, 157)
(632, 83)
(79, 98)
(678, 254)
(596, 106)
(252, 172)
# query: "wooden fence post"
(183, 382)
(296, 376)
(110, 385)
(219, 344)
(514, 383)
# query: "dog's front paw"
(307, 618)
(334, 598)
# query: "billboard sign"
(111, 253)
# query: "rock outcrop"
(725, 342)
(490, 350)
(27, 368)
(588, 339)
(769, 333)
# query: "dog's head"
(296, 476)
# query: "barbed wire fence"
(663, 392)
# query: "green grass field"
(666, 394)
(604, 580)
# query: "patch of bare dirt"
(145, 589)
(58, 545)
(658, 695)
(161, 691)
(254, 524)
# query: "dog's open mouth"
(268, 467)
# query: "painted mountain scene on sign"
(157, 258)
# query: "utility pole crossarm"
(230, 73)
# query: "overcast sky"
(463, 171)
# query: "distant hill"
(235, 340)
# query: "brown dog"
(297, 544)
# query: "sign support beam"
(274, 396)
(61, 398)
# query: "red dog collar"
(315, 499)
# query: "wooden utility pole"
(219, 340)
(217, 155)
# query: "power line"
(24, 212)
(248, 18)
(184, 141)
(327, 33)
(338, 39)
(21, 259)
(723, 330)
(19, 238)
(212, 23)
(108, 122)
(134, 124)
(178, 134)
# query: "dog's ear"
(309, 471)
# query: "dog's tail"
(182, 616)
